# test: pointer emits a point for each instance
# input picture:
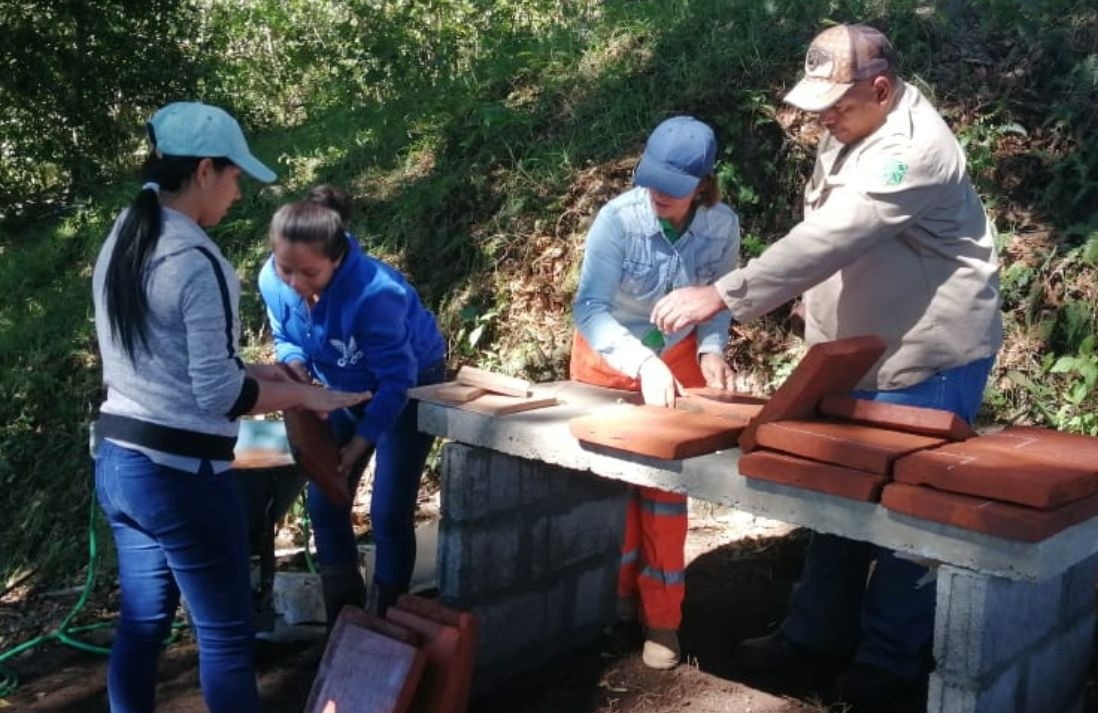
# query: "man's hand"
(717, 373)
(686, 306)
(323, 401)
(352, 453)
(657, 383)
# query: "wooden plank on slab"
(491, 381)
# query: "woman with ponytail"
(353, 322)
(168, 329)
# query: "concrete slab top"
(543, 435)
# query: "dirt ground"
(737, 583)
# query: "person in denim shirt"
(351, 321)
(670, 231)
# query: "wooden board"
(364, 669)
(493, 382)
(1015, 522)
(850, 445)
(491, 404)
(655, 431)
(812, 475)
(460, 393)
(261, 458)
(913, 419)
(827, 369)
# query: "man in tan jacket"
(894, 242)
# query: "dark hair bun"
(332, 197)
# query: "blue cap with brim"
(679, 153)
(197, 129)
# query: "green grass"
(478, 139)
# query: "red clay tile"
(1043, 442)
(441, 685)
(656, 431)
(1001, 468)
(740, 412)
(913, 419)
(317, 453)
(466, 623)
(830, 368)
(812, 475)
(365, 670)
(1015, 522)
(847, 444)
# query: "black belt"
(176, 441)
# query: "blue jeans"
(889, 620)
(398, 466)
(177, 532)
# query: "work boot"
(382, 596)
(865, 685)
(661, 648)
(772, 652)
(342, 586)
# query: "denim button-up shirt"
(628, 265)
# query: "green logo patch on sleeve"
(893, 171)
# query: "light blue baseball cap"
(197, 129)
(680, 152)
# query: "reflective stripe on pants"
(653, 567)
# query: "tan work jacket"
(894, 242)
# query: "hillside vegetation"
(478, 138)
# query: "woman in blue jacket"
(354, 323)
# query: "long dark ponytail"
(124, 284)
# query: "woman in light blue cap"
(166, 318)
(670, 231)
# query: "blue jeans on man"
(177, 531)
(888, 620)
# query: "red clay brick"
(1043, 442)
(364, 669)
(317, 453)
(812, 475)
(988, 467)
(830, 368)
(847, 444)
(1015, 522)
(740, 412)
(465, 622)
(913, 419)
(656, 431)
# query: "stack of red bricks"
(1020, 483)
(418, 659)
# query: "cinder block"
(509, 630)
(812, 475)
(898, 417)
(588, 529)
(826, 369)
(983, 469)
(1058, 669)
(595, 597)
(1002, 695)
(851, 445)
(984, 623)
(364, 669)
(1015, 522)
(1078, 599)
(477, 483)
(297, 597)
(477, 561)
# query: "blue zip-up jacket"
(368, 332)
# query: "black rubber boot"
(383, 596)
(342, 586)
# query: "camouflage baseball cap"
(838, 57)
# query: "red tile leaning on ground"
(465, 623)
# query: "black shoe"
(622, 638)
(863, 684)
(770, 653)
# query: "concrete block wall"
(1003, 646)
(532, 549)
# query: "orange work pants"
(653, 565)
